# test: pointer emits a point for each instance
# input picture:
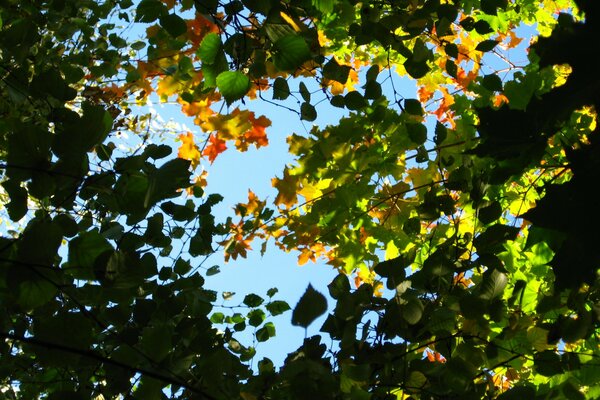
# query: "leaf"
(493, 284)
(173, 24)
(413, 107)
(416, 69)
(215, 147)
(492, 82)
(311, 305)
(339, 287)
(253, 300)
(304, 92)
(336, 72)
(149, 10)
(486, 45)
(281, 90)
(188, 149)
(324, 6)
(291, 52)
(355, 101)
(277, 307)
(210, 48)
(266, 332)
(308, 112)
(233, 85)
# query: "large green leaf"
(311, 305)
(173, 24)
(233, 85)
(209, 48)
(291, 51)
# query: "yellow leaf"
(188, 149)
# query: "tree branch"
(91, 354)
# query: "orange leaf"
(188, 149)
(198, 28)
(215, 147)
(500, 99)
(253, 207)
(256, 135)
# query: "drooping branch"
(94, 355)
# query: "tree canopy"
(461, 219)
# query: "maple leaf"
(256, 134)
(253, 207)
(198, 181)
(339, 88)
(258, 85)
(215, 147)
(168, 86)
(188, 149)
(443, 112)
(229, 126)
(198, 28)
(287, 189)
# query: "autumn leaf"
(287, 189)
(188, 149)
(256, 135)
(253, 207)
(198, 28)
(240, 126)
(215, 147)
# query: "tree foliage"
(461, 218)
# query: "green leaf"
(452, 50)
(336, 72)
(324, 6)
(83, 252)
(291, 51)
(372, 73)
(173, 24)
(277, 307)
(311, 305)
(492, 82)
(217, 318)
(412, 311)
(256, 317)
(304, 92)
(253, 300)
(266, 332)
(417, 133)
(156, 342)
(486, 45)
(149, 10)
(416, 69)
(490, 213)
(209, 49)
(17, 206)
(373, 90)
(451, 68)
(413, 107)
(338, 101)
(213, 270)
(493, 284)
(355, 101)
(547, 363)
(33, 293)
(339, 287)
(308, 112)
(233, 85)
(281, 90)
